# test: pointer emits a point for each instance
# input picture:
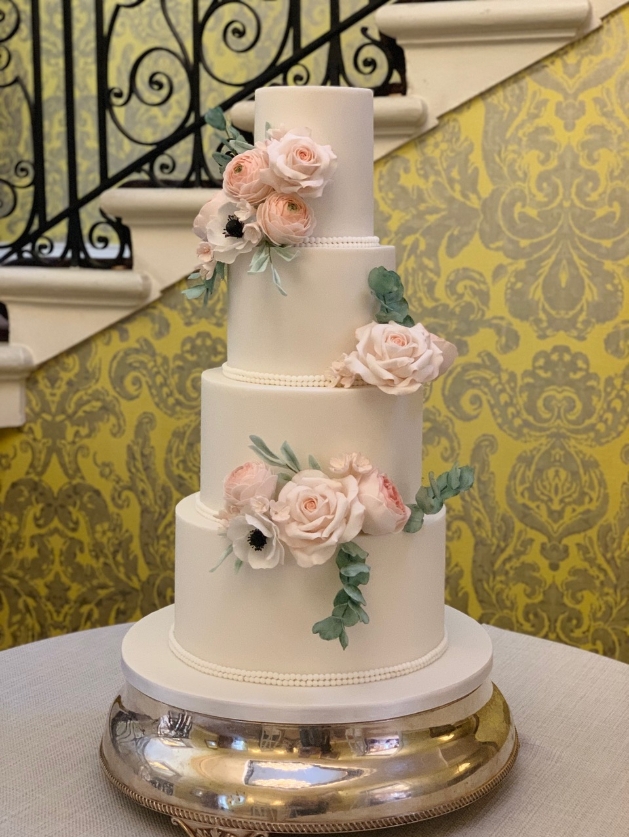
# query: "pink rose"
(285, 219)
(315, 514)
(393, 357)
(351, 464)
(248, 481)
(241, 178)
(385, 512)
(298, 165)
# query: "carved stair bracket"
(194, 830)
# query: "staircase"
(452, 51)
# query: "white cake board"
(150, 667)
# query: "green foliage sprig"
(388, 289)
(348, 602)
(207, 287)
(262, 258)
(430, 498)
(233, 141)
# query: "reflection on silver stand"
(217, 776)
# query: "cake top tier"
(341, 117)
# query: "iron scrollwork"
(188, 57)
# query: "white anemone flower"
(255, 538)
(231, 229)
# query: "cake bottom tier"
(256, 625)
(149, 666)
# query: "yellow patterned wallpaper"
(510, 222)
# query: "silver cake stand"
(216, 775)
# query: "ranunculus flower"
(248, 481)
(242, 176)
(298, 165)
(231, 228)
(385, 512)
(393, 357)
(315, 514)
(285, 219)
(351, 464)
(255, 539)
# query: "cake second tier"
(302, 333)
(320, 422)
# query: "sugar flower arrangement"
(263, 206)
(274, 509)
(392, 353)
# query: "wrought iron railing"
(120, 101)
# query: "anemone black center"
(234, 227)
(257, 540)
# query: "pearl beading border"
(341, 241)
(272, 678)
(272, 379)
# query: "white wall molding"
(16, 363)
(456, 51)
(396, 120)
(52, 309)
(161, 228)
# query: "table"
(571, 779)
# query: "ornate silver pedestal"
(216, 776)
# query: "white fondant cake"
(278, 384)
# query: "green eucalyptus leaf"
(313, 463)
(353, 593)
(260, 259)
(347, 615)
(239, 144)
(329, 628)
(351, 548)
(284, 251)
(466, 479)
(194, 292)
(221, 160)
(216, 118)
(264, 452)
(354, 569)
(289, 457)
(276, 279)
(340, 598)
(415, 521)
(225, 554)
(343, 639)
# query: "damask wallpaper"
(510, 221)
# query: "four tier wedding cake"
(311, 555)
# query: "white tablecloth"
(571, 778)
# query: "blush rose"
(299, 165)
(395, 358)
(315, 514)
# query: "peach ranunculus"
(395, 358)
(285, 219)
(385, 512)
(315, 514)
(298, 165)
(242, 176)
(248, 481)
